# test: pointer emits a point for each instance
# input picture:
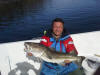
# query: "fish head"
(33, 48)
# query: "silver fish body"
(49, 54)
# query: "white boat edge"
(12, 54)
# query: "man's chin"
(58, 34)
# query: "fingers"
(67, 61)
(29, 54)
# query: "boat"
(14, 61)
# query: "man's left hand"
(29, 54)
(67, 61)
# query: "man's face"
(57, 28)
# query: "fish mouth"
(26, 48)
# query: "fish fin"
(79, 62)
(48, 56)
(62, 64)
(73, 52)
(52, 49)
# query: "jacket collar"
(63, 36)
(60, 39)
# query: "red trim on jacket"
(69, 46)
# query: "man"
(59, 39)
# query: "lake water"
(28, 19)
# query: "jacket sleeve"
(69, 45)
(44, 40)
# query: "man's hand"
(67, 61)
(29, 54)
(73, 52)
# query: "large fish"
(49, 54)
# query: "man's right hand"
(29, 54)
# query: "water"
(27, 19)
